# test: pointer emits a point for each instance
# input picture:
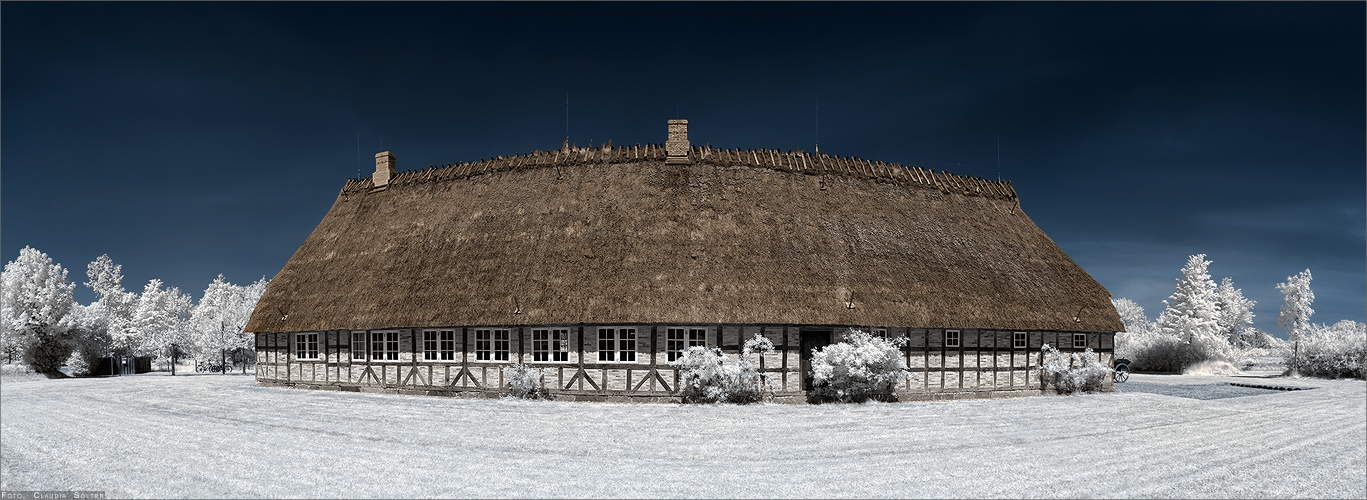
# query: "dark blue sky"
(191, 139)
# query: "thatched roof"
(619, 236)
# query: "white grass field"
(153, 435)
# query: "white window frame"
(438, 345)
(614, 345)
(626, 347)
(502, 340)
(484, 340)
(306, 346)
(607, 344)
(384, 345)
(550, 345)
(1020, 340)
(493, 346)
(358, 346)
(678, 340)
(881, 333)
(952, 334)
(1079, 338)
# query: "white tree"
(35, 307)
(209, 318)
(1192, 312)
(1236, 315)
(112, 311)
(1132, 315)
(179, 339)
(157, 320)
(1296, 311)
(114, 306)
(89, 336)
(244, 345)
(221, 315)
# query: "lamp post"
(222, 353)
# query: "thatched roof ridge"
(736, 236)
(799, 162)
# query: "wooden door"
(811, 339)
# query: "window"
(439, 345)
(358, 345)
(951, 338)
(384, 346)
(678, 340)
(550, 345)
(626, 344)
(1020, 340)
(606, 343)
(500, 345)
(306, 345)
(617, 344)
(482, 345)
(491, 345)
(881, 333)
(1079, 340)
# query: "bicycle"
(210, 367)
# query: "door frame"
(808, 339)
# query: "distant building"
(602, 264)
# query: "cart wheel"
(1122, 375)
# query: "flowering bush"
(525, 381)
(1335, 351)
(1075, 372)
(708, 376)
(863, 367)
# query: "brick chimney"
(384, 169)
(676, 147)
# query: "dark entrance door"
(811, 339)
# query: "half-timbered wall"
(987, 363)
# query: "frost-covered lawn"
(222, 436)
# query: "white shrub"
(78, 364)
(757, 344)
(18, 372)
(1151, 352)
(861, 368)
(708, 376)
(525, 382)
(1075, 372)
(1207, 346)
(1142, 342)
(1336, 351)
